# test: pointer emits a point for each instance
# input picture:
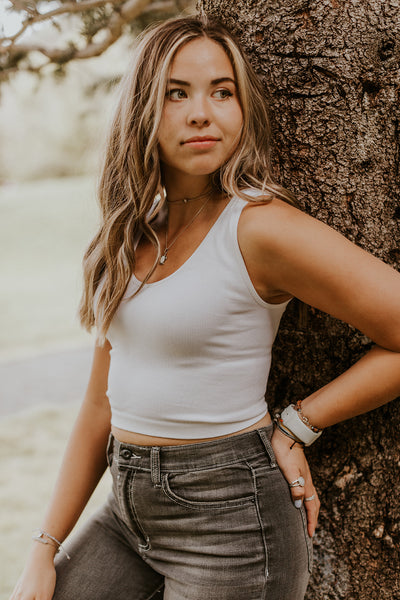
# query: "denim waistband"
(193, 456)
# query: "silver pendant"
(163, 258)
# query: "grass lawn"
(44, 228)
(31, 447)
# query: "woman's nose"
(199, 113)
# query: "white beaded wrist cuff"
(291, 419)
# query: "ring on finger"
(309, 498)
(299, 482)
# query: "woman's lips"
(201, 142)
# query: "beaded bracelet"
(53, 541)
(305, 419)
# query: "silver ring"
(297, 482)
(309, 498)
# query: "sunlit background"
(9, 21)
(51, 137)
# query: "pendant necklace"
(167, 246)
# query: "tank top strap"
(224, 231)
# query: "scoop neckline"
(196, 250)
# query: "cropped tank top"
(191, 353)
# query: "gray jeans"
(208, 521)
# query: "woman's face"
(202, 118)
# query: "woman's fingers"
(306, 494)
(312, 504)
(296, 486)
(295, 469)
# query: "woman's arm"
(288, 253)
(84, 461)
(83, 465)
(372, 381)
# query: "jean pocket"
(219, 487)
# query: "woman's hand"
(293, 464)
(38, 579)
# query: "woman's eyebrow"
(213, 82)
(222, 79)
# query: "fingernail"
(298, 503)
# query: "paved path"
(57, 377)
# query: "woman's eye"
(222, 94)
(176, 94)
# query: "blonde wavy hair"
(131, 176)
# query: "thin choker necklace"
(164, 255)
(186, 200)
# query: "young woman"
(197, 256)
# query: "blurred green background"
(51, 139)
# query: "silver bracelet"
(287, 432)
(43, 534)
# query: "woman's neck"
(185, 187)
(182, 210)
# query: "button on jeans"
(206, 521)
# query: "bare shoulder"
(274, 232)
(264, 230)
(281, 231)
(287, 251)
(275, 223)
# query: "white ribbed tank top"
(191, 353)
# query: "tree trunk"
(331, 75)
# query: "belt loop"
(155, 466)
(267, 445)
(110, 449)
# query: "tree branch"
(103, 33)
(66, 8)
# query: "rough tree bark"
(332, 79)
